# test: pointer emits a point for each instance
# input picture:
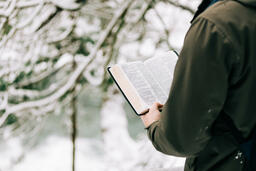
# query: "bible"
(143, 83)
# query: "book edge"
(140, 107)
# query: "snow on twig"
(62, 36)
(41, 76)
(184, 7)
(32, 16)
(166, 30)
(66, 4)
(76, 74)
(8, 11)
(32, 94)
(21, 25)
(4, 101)
(28, 4)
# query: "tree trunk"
(74, 128)
(74, 120)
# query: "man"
(215, 76)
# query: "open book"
(143, 83)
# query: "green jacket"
(215, 73)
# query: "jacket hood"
(248, 2)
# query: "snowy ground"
(55, 155)
(114, 150)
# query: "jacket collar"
(206, 3)
(248, 2)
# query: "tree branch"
(184, 7)
(166, 30)
(76, 74)
(41, 76)
(9, 10)
(28, 4)
(21, 26)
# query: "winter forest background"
(59, 110)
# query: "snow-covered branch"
(41, 76)
(62, 36)
(79, 70)
(52, 51)
(7, 12)
(66, 4)
(28, 4)
(35, 94)
(166, 29)
(179, 5)
(31, 17)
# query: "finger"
(156, 105)
(159, 105)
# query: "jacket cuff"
(150, 129)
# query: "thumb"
(156, 106)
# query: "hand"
(152, 115)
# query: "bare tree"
(52, 49)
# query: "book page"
(135, 72)
(162, 69)
(160, 95)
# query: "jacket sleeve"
(198, 92)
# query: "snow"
(66, 4)
(175, 20)
(117, 151)
(9, 151)
(85, 27)
(122, 152)
(54, 154)
(129, 51)
(64, 59)
(147, 48)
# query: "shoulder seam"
(225, 35)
